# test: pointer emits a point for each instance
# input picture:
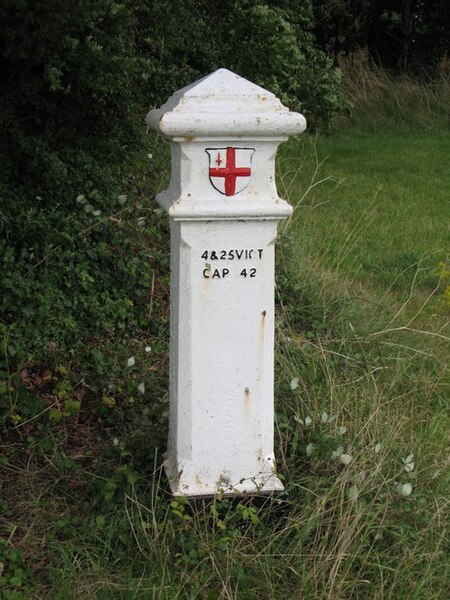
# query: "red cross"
(230, 172)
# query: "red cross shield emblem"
(230, 169)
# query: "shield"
(230, 169)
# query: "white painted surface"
(244, 108)
(223, 230)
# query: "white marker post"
(224, 209)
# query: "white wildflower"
(96, 213)
(141, 388)
(308, 421)
(131, 361)
(326, 418)
(294, 383)
(342, 430)
(353, 493)
(408, 462)
(377, 448)
(148, 348)
(122, 199)
(309, 449)
(346, 459)
(337, 453)
(404, 489)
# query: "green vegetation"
(77, 83)
(383, 206)
(363, 300)
(362, 387)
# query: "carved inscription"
(233, 258)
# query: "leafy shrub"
(76, 265)
(83, 253)
(280, 54)
(271, 44)
(68, 98)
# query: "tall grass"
(379, 98)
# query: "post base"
(184, 484)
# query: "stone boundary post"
(224, 210)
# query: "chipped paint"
(247, 399)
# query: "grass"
(362, 389)
(378, 217)
(365, 242)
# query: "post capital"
(224, 105)
(224, 133)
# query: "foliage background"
(78, 80)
